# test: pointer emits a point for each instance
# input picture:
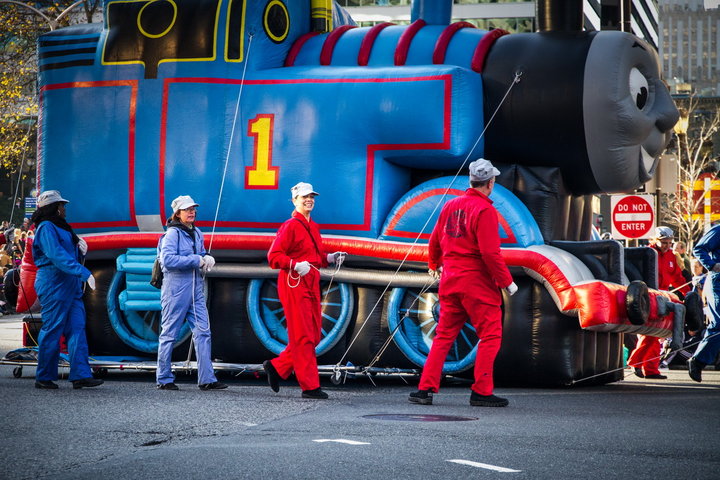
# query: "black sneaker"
(423, 397)
(695, 368)
(46, 384)
(87, 382)
(477, 400)
(167, 386)
(638, 372)
(273, 377)
(316, 394)
(656, 376)
(212, 386)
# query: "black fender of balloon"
(603, 257)
(642, 260)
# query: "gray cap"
(182, 202)
(50, 196)
(663, 232)
(482, 170)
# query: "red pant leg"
(646, 355)
(487, 320)
(452, 319)
(304, 321)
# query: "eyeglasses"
(189, 209)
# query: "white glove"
(435, 274)
(337, 258)
(716, 268)
(302, 268)
(91, 282)
(208, 263)
(82, 246)
(511, 289)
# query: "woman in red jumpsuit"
(297, 252)
(465, 245)
(645, 358)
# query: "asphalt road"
(126, 429)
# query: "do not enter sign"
(633, 216)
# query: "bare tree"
(693, 143)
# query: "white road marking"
(340, 440)
(484, 465)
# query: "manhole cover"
(412, 417)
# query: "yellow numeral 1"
(261, 174)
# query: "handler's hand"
(337, 258)
(82, 246)
(511, 289)
(91, 282)
(208, 263)
(302, 268)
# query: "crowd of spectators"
(13, 241)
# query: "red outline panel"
(133, 84)
(414, 201)
(391, 232)
(330, 41)
(483, 47)
(368, 41)
(270, 167)
(506, 227)
(443, 41)
(371, 149)
(297, 46)
(403, 46)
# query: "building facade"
(517, 16)
(689, 46)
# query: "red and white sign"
(633, 216)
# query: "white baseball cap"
(302, 189)
(482, 170)
(50, 196)
(663, 232)
(182, 202)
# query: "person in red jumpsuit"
(464, 252)
(645, 358)
(297, 252)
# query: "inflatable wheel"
(101, 336)
(694, 314)
(139, 329)
(637, 302)
(17, 372)
(416, 332)
(233, 339)
(268, 318)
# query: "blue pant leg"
(173, 315)
(710, 345)
(54, 314)
(200, 325)
(77, 341)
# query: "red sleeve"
(277, 255)
(679, 279)
(488, 242)
(434, 248)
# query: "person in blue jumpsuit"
(184, 262)
(59, 284)
(707, 251)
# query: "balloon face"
(628, 112)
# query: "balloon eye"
(639, 90)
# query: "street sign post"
(633, 216)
